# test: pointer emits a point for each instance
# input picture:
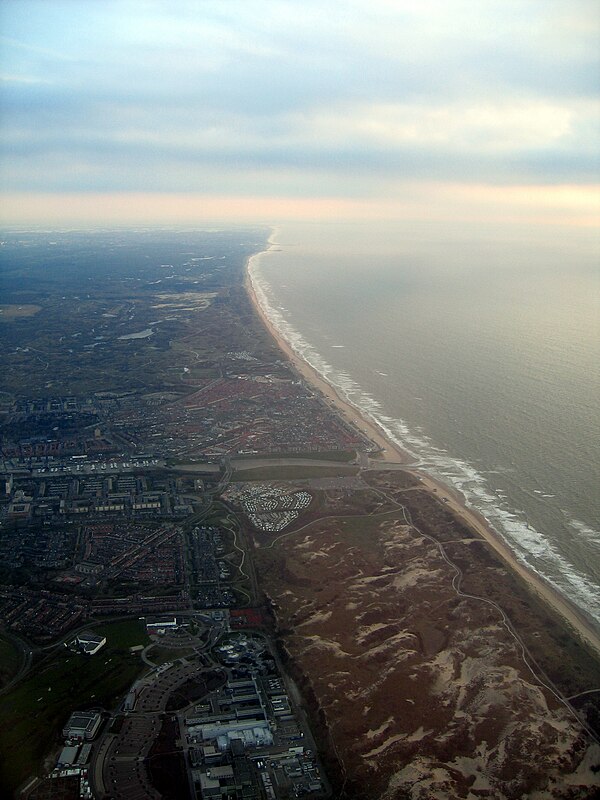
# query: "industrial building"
(67, 756)
(251, 733)
(82, 725)
(160, 625)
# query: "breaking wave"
(531, 547)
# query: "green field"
(342, 456)
(34, 712)
(160, 655)
(123, 635)
(287, 473)
(9, 661)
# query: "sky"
(266, 110)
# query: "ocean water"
(478, 351)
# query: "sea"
(476, 349)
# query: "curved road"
(529, 661)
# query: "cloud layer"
(297, 98)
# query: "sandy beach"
(388, 451)
(392, 454)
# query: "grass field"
(123, 635)
(160, 655)
(293, 473)
(9, 660)
(34, 712)
(342, 456)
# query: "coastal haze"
(299, 346)
(477, 352)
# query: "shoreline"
(391, 453)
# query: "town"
(122, 503)
(211, 586)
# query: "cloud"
(131, 147)
(23, 79)
(151, 96)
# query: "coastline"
(391, 453)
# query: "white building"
(82, 725)
(161, 626)
(89, 643)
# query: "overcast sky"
(300, 107)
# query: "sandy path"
(543, 590)
(390, 452)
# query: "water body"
(145, 334)
(476, 350)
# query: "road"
(26, 653)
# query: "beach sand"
(390, 453)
